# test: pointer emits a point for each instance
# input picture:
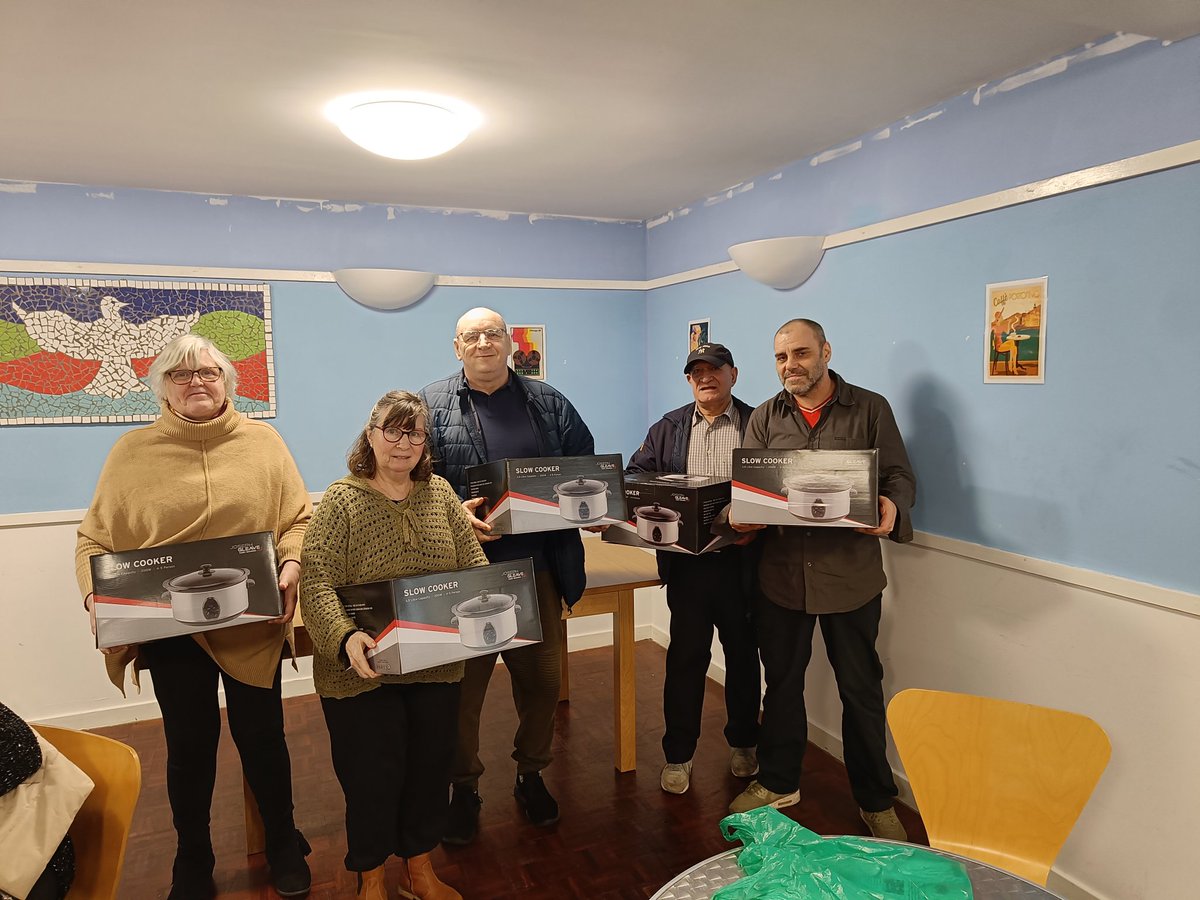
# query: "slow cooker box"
(672, 512)
(146, 595)
(430, 620)
(810, 488)
(548, 493)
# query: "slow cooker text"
(430, 589)
(140, 563)
(529, 470)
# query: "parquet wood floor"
(619, 838)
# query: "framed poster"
(1015, 332)
(78, 350)
(528, 350)
(697, 333)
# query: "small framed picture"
(1015, 332)
(528, 351)
(697, 333)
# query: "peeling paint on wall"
(778, 176)
(1057, 66)
(101, 195)
(882, 135)
(909, 123)
(834, 153)
(18, 187)
(218, 201)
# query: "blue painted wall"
(1098, 110)
(1097, 468)
(71, 222)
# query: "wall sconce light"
(384, 288)
(782, 263)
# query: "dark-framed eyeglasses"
(392, 435)
(494, 336)
(184, 376)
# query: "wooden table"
(614, 572)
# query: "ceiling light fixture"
(384, 288)
(403, 125)
(782, 263)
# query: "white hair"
(184, 353)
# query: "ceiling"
(599, 108)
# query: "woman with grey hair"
(203, 470)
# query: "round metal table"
(705, 878)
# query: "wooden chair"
(102, 826)
(997, 781)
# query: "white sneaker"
(756, 796)
(676, 778)
(743, 762)
(884, 824)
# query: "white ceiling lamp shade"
(384, 288)
(782, 263)
(404, 125)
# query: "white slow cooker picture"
(487, 621)
(582, 501)
(208, 596)
(657, 524)
(818, 498)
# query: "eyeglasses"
(184, 376)
(392, 435)
(494, 336)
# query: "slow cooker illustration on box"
(582, 501)
(656, 524)
(818, 498)
(209, 595)
(487, 621)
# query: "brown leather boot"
(418, 881)
(371, 885)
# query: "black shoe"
(191, 875)
(463, 822)
(290, 875)
(531, 793)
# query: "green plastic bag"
(785, 861)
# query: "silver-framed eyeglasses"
(184, 376)
(393, 433)
(494, 336)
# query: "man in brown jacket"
(833, 575)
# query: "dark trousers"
(391, 753)
(185, 683)
(705, 592)
(536, 674)
(785, 638)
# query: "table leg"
(564, 669)
(625, 685)
(256, 839)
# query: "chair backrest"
(101, 828)
(997, 781)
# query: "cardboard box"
(678, 512)
(548, 494)
(824, 488)
(145, 595)
(430, 620)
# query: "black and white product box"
(672, 512)
(430, 620)
(145, 595)
(548, 494)
(838, 488)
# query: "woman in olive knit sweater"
(392, 736)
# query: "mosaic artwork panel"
(75, 351)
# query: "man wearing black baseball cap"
(705, 591)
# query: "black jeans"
(785, 636)
(704, 592)
(185, 683)
(392, 748)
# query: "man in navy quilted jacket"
(487, 412)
